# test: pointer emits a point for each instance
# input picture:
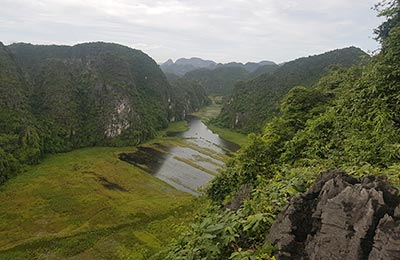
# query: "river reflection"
(185, 168)
(204, 137)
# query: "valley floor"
(87, 204)
(212, 111)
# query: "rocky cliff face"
(97, 92)
(340, 218)
(186, 97)
(58, 98)
(93, 93)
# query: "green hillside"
(189, 96)
(219, 81)
(256, 101)
(349, 120)
(59, 98)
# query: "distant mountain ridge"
(221, 80)
(184, 65)
(256, 101)
(195, 62)
(216, 78)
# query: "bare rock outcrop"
(340, 217)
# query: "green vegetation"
(189, 96)
(230, 135)
(209, 113)
(266, 69)
(349, 119)
(174, 127)
(87, 204)
(183, 65)
(222, 80)
(308, 117)
(219, 81)
(93, 94)
(217, 78)
(256, 101)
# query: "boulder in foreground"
(340, 217)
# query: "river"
(188, 167)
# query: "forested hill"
(348, 120)
(256, 101)
(219, 81)
(12, 86)
(222, 80)
(58, 98)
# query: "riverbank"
(186, 160)
(88, 204)
(212, 111)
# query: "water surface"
(185, 168)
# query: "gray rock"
(339, 217)
(387, 240)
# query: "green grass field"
(230, 135)
(87, 204)
(209, 112)
(174, 127)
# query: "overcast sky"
(221, 30)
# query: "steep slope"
(12, 86)
(19, 141)
(342, 217)
(255, 101)
(59, 98)
(349, 120)
(94, 94)
(268, 68)
(171, 77)
(189, 96)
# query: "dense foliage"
(183, 66)
(265, 69)
(349, 119)
(58, 98)
(219, 81)
(222, 80)
(256, 101)
(189, 96)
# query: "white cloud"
(223, 30)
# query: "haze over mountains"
(216, 78)
(183, 65)
(102, 148)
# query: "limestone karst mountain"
(67, 97)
